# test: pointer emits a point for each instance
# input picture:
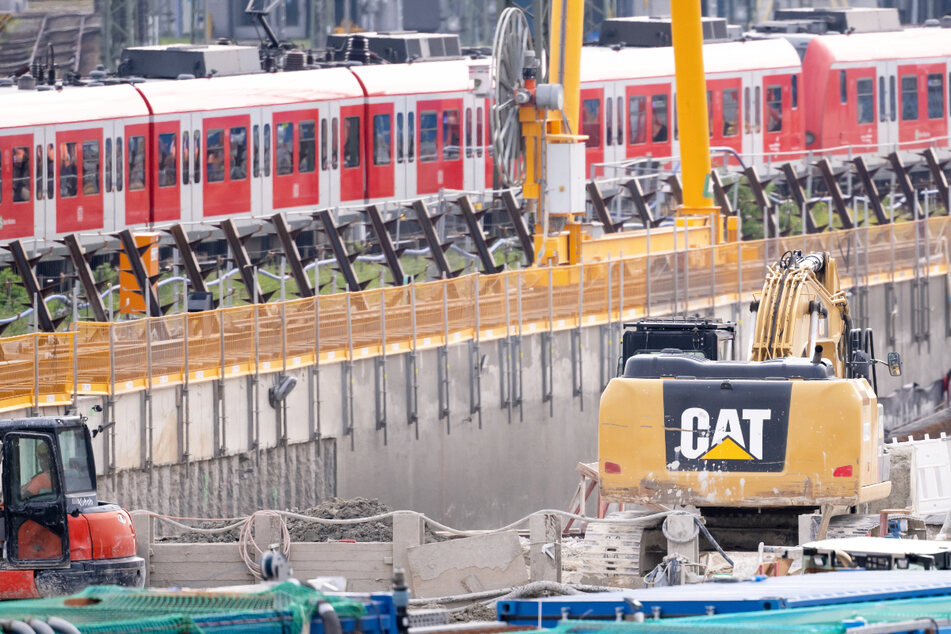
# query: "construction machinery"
(754, 443)
(57, 536)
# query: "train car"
(628, 98)
(874, 91)
(425, 129)
(62, 161)
(251, 145)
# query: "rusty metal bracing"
(518, 221)
(437, 250)
(390, 252)
(866, 176)
(81, 263)
(292, 255)
(344, 259)
(478, 238)
(189, 261)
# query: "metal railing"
(110, 358)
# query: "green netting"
(100, 609)
(821, 620)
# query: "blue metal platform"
(773, 593)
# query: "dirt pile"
(304, 531)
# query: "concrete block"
(407, 533)
(545, 550)
(462, 566)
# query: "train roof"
(914, 43)
(599, 63)
(250, 91)
(414, 78)
(23, 108)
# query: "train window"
(450, 135)
(795, 91)
(774, 108)
(256, 150)
(411, 137)
(306, 147)
(637, 109)
(882, 115)
(427, 136)
(843, 87)
(660, 118)
(239, 153)
(334, 155)
(67, 170)
(710, 113)
(891, 96)
(186, 166)
(324, 160)
(591, 122)
(267, 149)
(756, 109)
(620, 121)
(21, 174)
(136, 150)
(909, 97)
(399, 137)
(351, 142)
(731, 112)
(284, 150)
(119, 181)
(91, 166)
(479, 134)
(865, 100)
(609, 116)
(382, 139)
(168, 162)
(746, 109)
(936, 96)
(108, 160)
(196, 138)
(39, 172)
(215, 153)
(468, 132)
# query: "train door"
(134, 167)
(21, 197)
(295, 180)
(352, 160)
(404, 173)
(261, 201)
(613, 124)
(227, 185)
(922, 112)
(750, 109)
(44, 219)
(165, 171)
(327, 187)
(193, 168)
(474, 179)
(112, 185)
(79, 206)
(439, 139)
(380, 151)
(591, 115)
(724, 114)
(887, 84)
(648, 121)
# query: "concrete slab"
(462, 566)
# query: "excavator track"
(623, 551)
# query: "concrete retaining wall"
(227, 451)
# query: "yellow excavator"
(753, 443)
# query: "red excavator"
(57, 536)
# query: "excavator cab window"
(697, 338)
(35, 504)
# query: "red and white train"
(94, 160)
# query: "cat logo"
(729, 441)
(710, 427)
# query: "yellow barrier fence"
(96, 358)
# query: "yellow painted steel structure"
(96, 359)
(687, 32)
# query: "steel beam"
(189, 261)
(24, 267)
(515, 215)
(904, 182)
(940, 179)
(871, 191)
(134, 253)
(437, 250)
(799, 197)
(286, 236)
(344, 259)
(390, 252)
(601, 209)
(835, 193)
(243, 262)
(478, 238)
(81, 262)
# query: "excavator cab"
(57, 536)
(34, 513)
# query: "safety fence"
(109, 358)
